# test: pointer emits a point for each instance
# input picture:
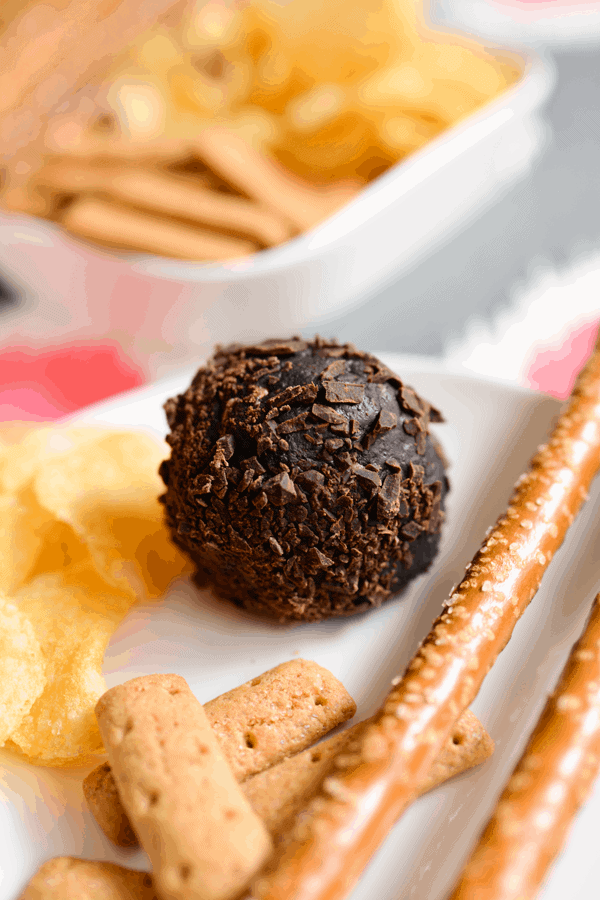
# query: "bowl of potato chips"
(289, 157)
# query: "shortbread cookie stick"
(67, 878)
(257, 724)
(203, 838)
(302, 204)
(285, 710)
(125, 228)
(103, 799)
(279, 793)
(551, 781)
(169, 195)
(353, 812)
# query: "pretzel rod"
(171, 195)
(551, 781)
(333, 840)
(117, 226)
(244, 167)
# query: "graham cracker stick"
(353, 812)
(203, 839)
(275, 715)
(126, 228)
(171, 195)
(551, 781)
(302, 204)
(67, 878)
(279, 793)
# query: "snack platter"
(491, 432)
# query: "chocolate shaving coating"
(331, 520)
(340, 392)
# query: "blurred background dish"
(233, 127)
(432, 251)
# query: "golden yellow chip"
(107, 491)
(22, 668)
(73, 623)
(81, 539)
(19, 544)
(19, 461)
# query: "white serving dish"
(492, 430)
(392, 224)
(559, 23)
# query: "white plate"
(492, 430)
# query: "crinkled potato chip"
(107, 492)
(20, 460)
(82, 538)
(19, 524)
(22, 668)
(73, 623)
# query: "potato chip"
(22, 668)
(19, 461)
(19, 524)
(73, 625)
(81, 539)
(107, 492)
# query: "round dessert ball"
(303, 480)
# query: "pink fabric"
(554, 370)
(44, 385)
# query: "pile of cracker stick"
(210, 130)
(209, 792)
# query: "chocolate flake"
(275, 546)
(343, 392)
(410, 401)
(278, 348)
(367, 477)
(253, 463)
(333, 370)
(298, 393)
(280, 489)
(327, 414)
(388, 500)
(412, 426)
(318, 560)
(411, 531)
(312, 478)
(296, 423)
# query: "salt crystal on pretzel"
(551, 781)
(334, 838)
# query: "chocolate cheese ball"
(303, 481)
